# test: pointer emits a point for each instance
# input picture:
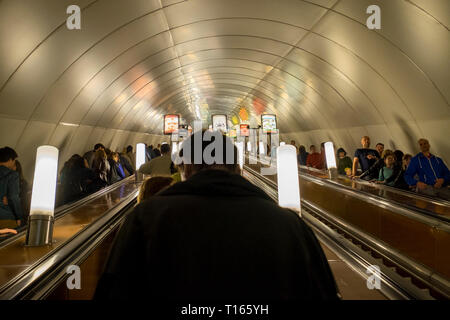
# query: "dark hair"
(165, 148)
(379, 144)
(398, 154)
(98, 146)
(341, 150)
(129, 149)
(75, 161)
(311, 146)
(301, 149)
(227, 146)
(7, 154)
(19, 170)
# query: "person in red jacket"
(315, 159)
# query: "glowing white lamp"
(174, 148)
(40, 226)
(249, 146)
(261, 148)
(331, 160)
(140, 155)
(282, 143)
(240, 148)
(287, 174)
(329, 154)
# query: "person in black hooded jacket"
(11, 212)
(215, 236)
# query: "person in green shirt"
(387, 171)
(344, 162)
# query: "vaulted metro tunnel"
(315, 64)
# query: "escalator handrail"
(427, 275)
(431, 220)
(61, 211)
(30, 277)
(439, 202)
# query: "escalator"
(414, 240)
(83, 234)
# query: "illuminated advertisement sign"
(171, 123)
(269, 123)
(244, 130)
(219, 122)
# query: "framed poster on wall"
(269, 123)
(171, 123)
(244, 130)
(219, 122)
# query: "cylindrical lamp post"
(174, 148)
(331, 160)
(240, 148)
(140, 160)
(287, 175)
(40, 221)
(262, 150)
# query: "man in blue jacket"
(10, 206)
(428, 173)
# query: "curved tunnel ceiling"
(314, 63)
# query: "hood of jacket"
(4, 171)
(216, 183)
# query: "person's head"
(322, 147)
(165, 149)
(18, 168)
(365, 142)
(389, 160)
(152, 186)
(100, 155)
(293, 142)
(380, 148)
(129, 149)
(159, 145)
(8, 157)
(424, 145)
(341, 152)
(198, 153)
(386, 153)
(76, 161)
(312, 149)
(302, 149)
(115, 156)
(406, 160)
(398, 154)
(99, 146)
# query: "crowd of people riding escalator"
(424, 173)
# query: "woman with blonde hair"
(101, 167)
(152, 186)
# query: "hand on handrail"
(5, 231)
